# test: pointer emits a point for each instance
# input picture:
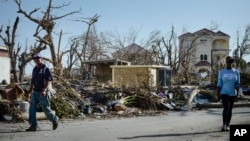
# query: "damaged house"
(130, 74)
(101, 70)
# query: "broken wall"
(104, 72)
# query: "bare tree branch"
(46, 24)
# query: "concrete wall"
(5, 69)
(136, 75)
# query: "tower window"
(205, 57)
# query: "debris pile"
(74, 99)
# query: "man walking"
(39, 94)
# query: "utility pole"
(237, 59)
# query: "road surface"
(200, 125)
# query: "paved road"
(173, 126)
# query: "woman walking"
(228, 86)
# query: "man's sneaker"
(223, 128)
(55, 124)
(31, 129)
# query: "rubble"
(78, 99)
(12, 92)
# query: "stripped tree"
(243, 47)
(46, 25)
(165, 50)
(26, 56)
(86, 45)
(13, 51)
(137, 54)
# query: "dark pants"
(227, 102)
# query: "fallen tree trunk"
(245, 98)
(191, 97)
(39, 115)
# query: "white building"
(4, 65)
(204, 49)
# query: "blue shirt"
(39, 75)
(228, 80)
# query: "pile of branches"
(65, 101)
(70, 100)
(141, 98)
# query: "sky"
(144, 16)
